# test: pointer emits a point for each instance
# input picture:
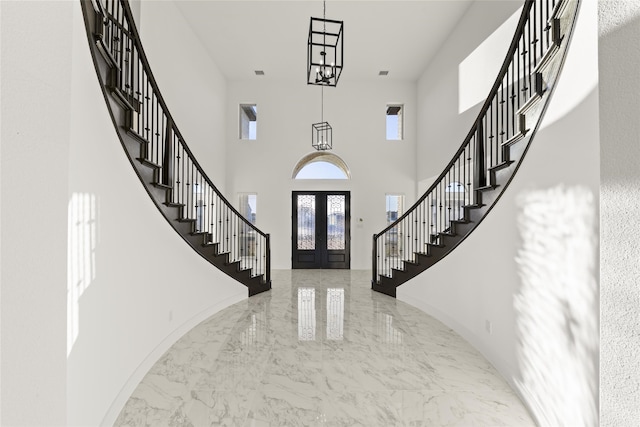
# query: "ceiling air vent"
(259, 72)
(383, 73)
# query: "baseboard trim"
(506, 370)
(138, 374)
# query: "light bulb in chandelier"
(325, 73)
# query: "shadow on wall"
(557, 305)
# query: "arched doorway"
(321, 231)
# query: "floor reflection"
(322, 349)
(335, 313)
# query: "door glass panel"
(306, 221)
(336, 222)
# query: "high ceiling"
(398, 36)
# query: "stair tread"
(460, 221)
(161, 185)
(502, 165)
(186, 219)
(104, 51)
(487, 187)
(559, 8)
(515, 138)
(535, 98)
(137, 136)
(148, 163)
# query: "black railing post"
(167, 160)
(374, 258)
(480, 172)
(268, 258)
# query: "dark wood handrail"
(133, 30)
(490, 154)
(172, 176)
(524, 17)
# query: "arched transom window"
(321, 165)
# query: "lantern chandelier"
(322, 134)
(324, 66)
(324, 50)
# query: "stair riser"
(120, 109)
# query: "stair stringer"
(120, 109)
(530, 115)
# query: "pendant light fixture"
(324, 50)
(321, 133)
(324, 67)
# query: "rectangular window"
(394, 204)
(248, 206)
(248, 121)
(394, 122)
(394, 208)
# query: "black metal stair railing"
(490, 154)
(176, 181)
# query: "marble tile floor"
(322, 349)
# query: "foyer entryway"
(320, 349)
(320, 234)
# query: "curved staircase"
(490, 155)
(167, 168)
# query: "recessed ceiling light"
(259, 72)
(383, 73)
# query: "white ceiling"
(399, 36)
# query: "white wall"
(36, 65)
(529, 272)
(620, 211)
(190, 82)
(441, 125)
(95, 283)
(356, 112)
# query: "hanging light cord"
(322, 103)
(324, 29)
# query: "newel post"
(167, 159)
(374, 258)
(479, 167)
(268, 259)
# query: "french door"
(321, 236)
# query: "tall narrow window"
(393, 241)
(248, 206)
(394, 204)
(248, 121)
(394, 122)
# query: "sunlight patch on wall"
(557, 305)
(82, 238)
(478, 71)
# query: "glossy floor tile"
(322, 349)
